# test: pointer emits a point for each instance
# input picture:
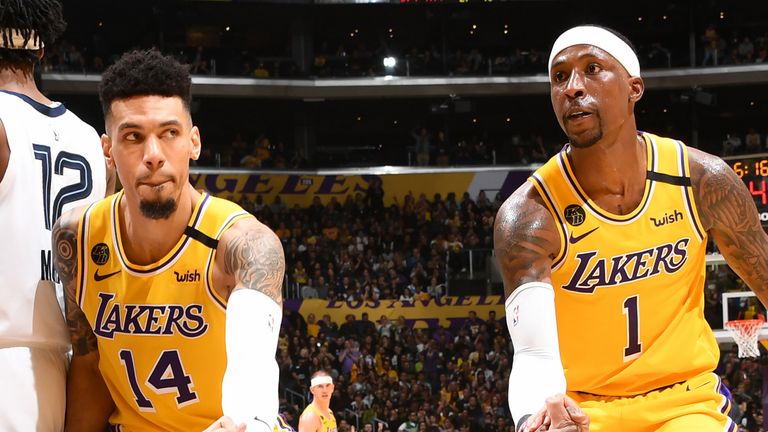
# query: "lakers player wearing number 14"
(173, 296)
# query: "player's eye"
(132, 136)
(559, 76)
(171, 133)
(593, 68)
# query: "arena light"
(390, 62)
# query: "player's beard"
(158, 209)
(588, 138)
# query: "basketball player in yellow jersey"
(602, 254)
(173, 297)
(317, 416)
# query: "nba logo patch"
(516, 315)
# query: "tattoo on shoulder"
(729, 213)
(524, 244)
(65, 260)
(256, 260)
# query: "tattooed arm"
(253, 256)
(728, 213)
(89, 403)
(526, 241)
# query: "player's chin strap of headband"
(601, 38)
(14, 39)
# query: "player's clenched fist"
(225, 424)
(561, 414)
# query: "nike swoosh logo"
(688, 386)
(98, 278)
(575, 239)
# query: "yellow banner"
(422, 314)
(301, 189)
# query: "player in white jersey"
(50, 160)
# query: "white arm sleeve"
(537, 372)
(249, 391)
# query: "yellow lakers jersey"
(160, 327)
(327, 423)
(629, 294)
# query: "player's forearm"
(89, 403)
(537, 371)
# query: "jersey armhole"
(9, 174)
(82, 241)
(218, 299)
(688, 195)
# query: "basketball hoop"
(745, 333)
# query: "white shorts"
(33, 390)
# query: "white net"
(745, 333)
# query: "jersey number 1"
(167, 376)
(632, 311)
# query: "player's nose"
(154, 157)
(574, 88)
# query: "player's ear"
(636, 89)
(196, 145)
(106, 148)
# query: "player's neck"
(17, 81)
(321, 406)
(145, 240)
(613, 168)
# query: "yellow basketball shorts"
(700, 404)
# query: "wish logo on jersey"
(593, 273)
(143, 319)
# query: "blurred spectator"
(711, 42)
(753, 141)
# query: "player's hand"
(566, 415)
(560, 414)
(225, 424)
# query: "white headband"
(16, 40)
(601, 38)
(322, 379)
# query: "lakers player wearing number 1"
(173, 296)
(602, 254)
(317, 416)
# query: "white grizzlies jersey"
(56, 163)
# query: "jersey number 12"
(67, 194)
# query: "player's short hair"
(37, 21)
(618, 35)
(320, 372)
(144, 73)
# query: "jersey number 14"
(167, 376)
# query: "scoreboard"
(753, 171)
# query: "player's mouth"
(155, 184)
(577, 114)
